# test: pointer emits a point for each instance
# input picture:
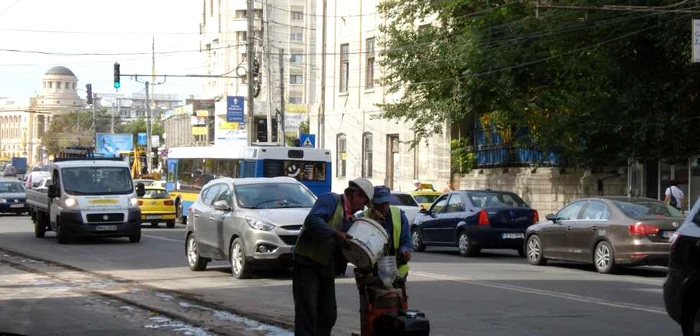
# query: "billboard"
(111, 144)
(293, 116)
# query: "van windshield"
(97, 181)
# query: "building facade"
(361, 143)
(287, 27)
(24, 121)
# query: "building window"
(211, 7)
(297, 16)
(242, 36)
(74, 86)
(296, 79)
(241, 13)
(50, 85)
(296, 34)
(67, 86)
(341, 159)
(367, 154)
(296, 57)
(58, 85)
(369, 75)
(344, 66)
(295, 100)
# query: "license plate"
(667, 234)
(152, 217)
(17, 206)
(512, 235)
(106, 228)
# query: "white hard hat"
(416, 181)
(365, 185)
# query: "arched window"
(341, 152)
(367, 154)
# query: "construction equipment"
(384, 311)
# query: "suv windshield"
(403, 199)
(647, 208)
(11, 187)
(97, 181)
(274, 196)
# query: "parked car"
(13, 197)
(606, 231)
(157, 206)
(251, 222)
(473, 220)
(407, 203)
(682, 285)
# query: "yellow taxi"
(157, 206)
(425, 195)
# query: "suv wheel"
(240, 268)
(604, 258)
(418, 245)
(194, 260)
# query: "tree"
(139, 126)
(596, 87)
(75, 129)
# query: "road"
(497, 293)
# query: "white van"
(88, 197)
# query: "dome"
(60, 71)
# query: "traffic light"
(117, 76)
(256, 78)
(88, 88)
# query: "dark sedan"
(13, 197)
(608, 232)
(473, 220)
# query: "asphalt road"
(497, 293)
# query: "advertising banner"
(229, 133)
(293, 116)
(141, 139)
(111, 144)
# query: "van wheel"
(170, 224)
(135, 238)
(240, 268)
(61, 233)
(194, 260)
(39, 229)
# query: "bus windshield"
(97, 181)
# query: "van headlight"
(2, 200)
(258, 224)
(70, 202)
(133, 202)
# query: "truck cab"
(89, 197)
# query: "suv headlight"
(133, 202)
(258, 224)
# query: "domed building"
(23, 123)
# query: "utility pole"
(250, 51)
(111, 128)
(281, 124)
(322, 116)
(94, 115)
(148, 130)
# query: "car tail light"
(169, 202)
(484, 218)
(643, 229)
(535, 217)
(140, 202)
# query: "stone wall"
(545, 189)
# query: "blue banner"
(235, 109)
(141, 139)
(111, 144)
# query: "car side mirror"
(140, 189)
(222, 205)
(53, 191)
(551, 217)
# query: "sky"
(119, 30)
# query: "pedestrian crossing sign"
(307, 140)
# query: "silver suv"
(247, 221)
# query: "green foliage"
(596, 87)
(463, 161)
(75, 128)
(139, 126)
(304, 126)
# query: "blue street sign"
(141, 139)
(307, 140)
(235, 111)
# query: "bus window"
(301, 170)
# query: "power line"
(9, 7)
(92, 32)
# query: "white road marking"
(163, 238)
(566, 296)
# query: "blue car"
(473, 220)
(13, 197)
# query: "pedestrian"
(417, 184)
(448, 187)
(316, 256)
(674, 195)
(396, 225)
